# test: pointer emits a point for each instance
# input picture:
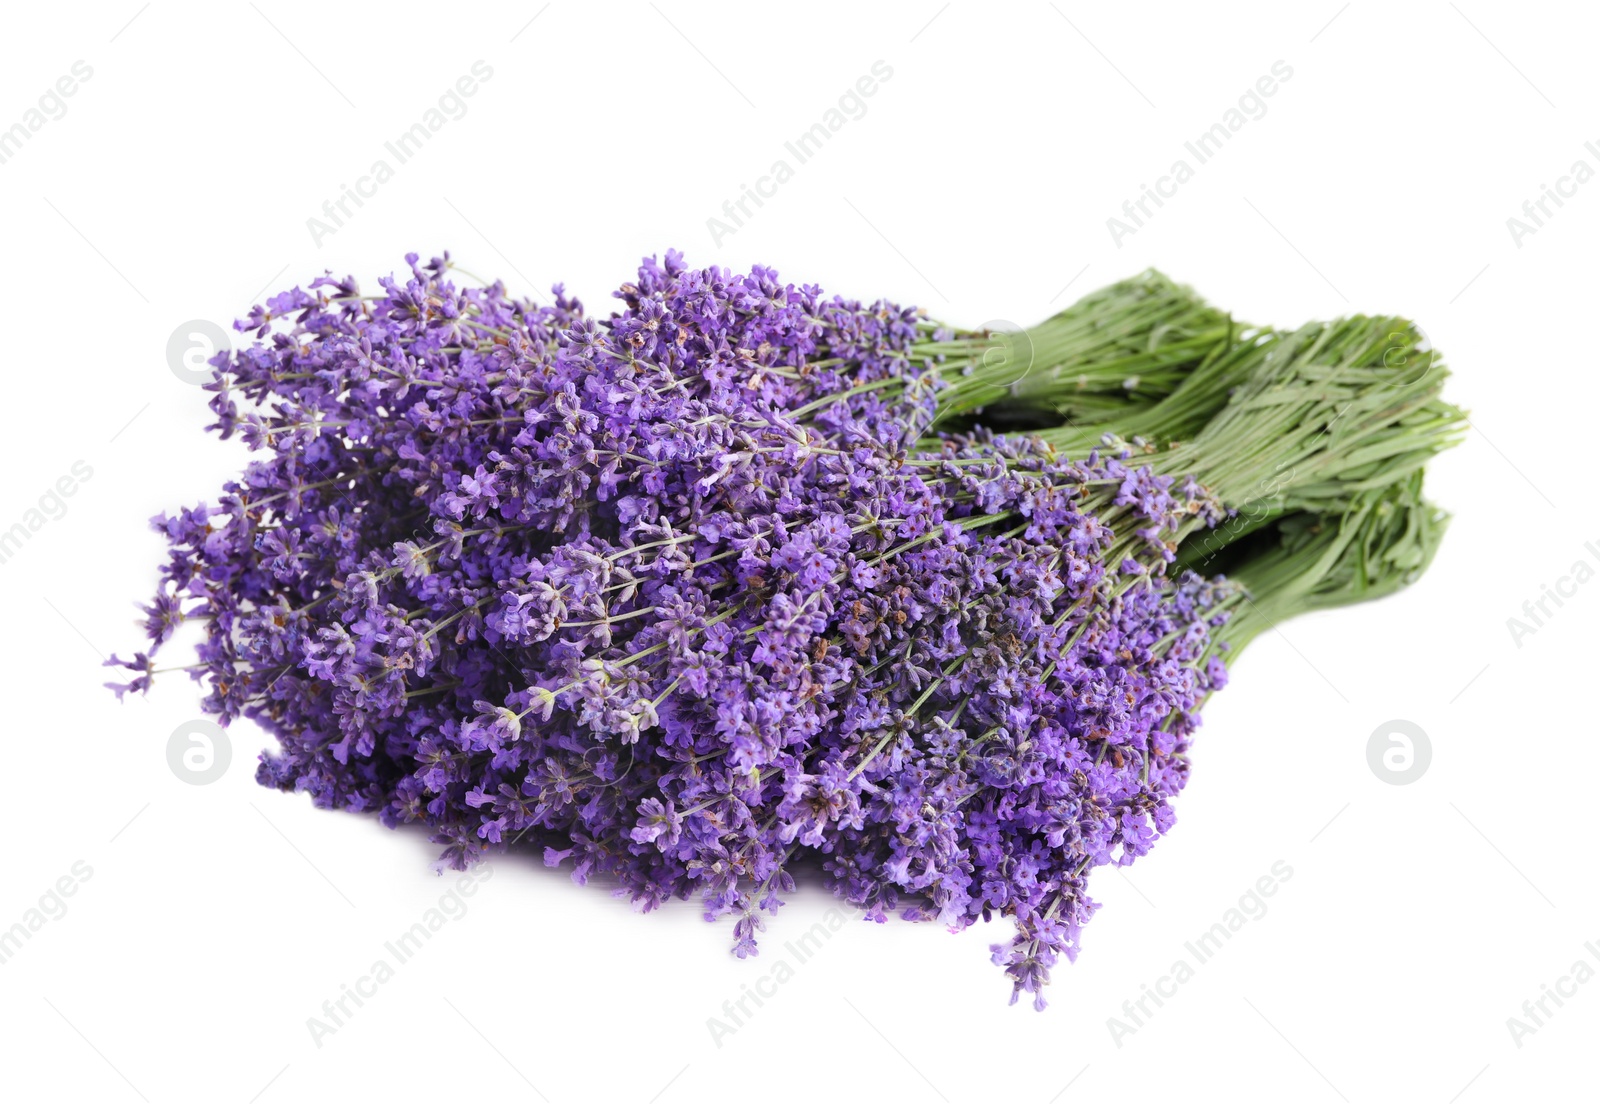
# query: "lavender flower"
(689, 595)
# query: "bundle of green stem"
(1312, 440)
(1115, 351)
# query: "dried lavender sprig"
(452, 750)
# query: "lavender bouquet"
(746, 580)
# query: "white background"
(218, 919)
